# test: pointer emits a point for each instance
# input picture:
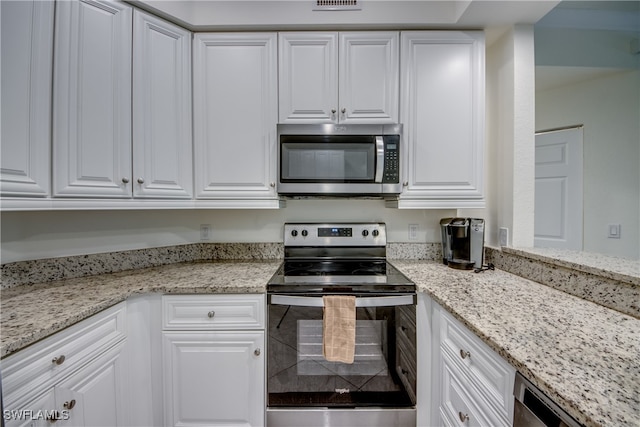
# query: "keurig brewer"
(462, 242)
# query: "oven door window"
(314, 158)
(382, 374)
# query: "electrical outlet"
(205, 232)
(413, 231)
(503, 236)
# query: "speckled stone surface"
(46, 270)
(624, 270)
(424, 251)
(30, 313)
(605, 288)
(583, 355)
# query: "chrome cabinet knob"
(125, 180)
(69, 405)
(333, 111)
(211, 314)
(54, 416)
(463, 417)
(464, 354)
(256, 352)
(406, 183)
(58, 360)
(344, 110)
(272, 184)
(140, 181)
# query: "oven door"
(380, 382)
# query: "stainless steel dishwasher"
(535, 409)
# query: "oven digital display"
(335, 232)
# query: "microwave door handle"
(379, 158)
(300, 301)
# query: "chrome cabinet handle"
(58, 360)
(256, 352)
(125, 180)
(464, 354)
(211, 314)
(344, 110)
(463, 417)
(70, 404)
(333, 111)
(140, 181)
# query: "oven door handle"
(298, 301)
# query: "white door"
(92, 99)
(27, 49)
(235, 115)
(162, 142)
(443, 119)
(368, 74)
(558, 189)
(308, 77)
(214, 378)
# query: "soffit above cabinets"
(223, 15)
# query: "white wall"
(36, 235)
(608, 106)
(509, 161)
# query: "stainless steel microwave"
(330, 159)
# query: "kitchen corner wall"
(50, 234)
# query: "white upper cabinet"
(443, 103)
(235, 114)
(27, 48)
(92, 99)
(349, 77)
(162, 142)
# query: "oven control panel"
(338, 234)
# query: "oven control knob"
(304, 233)
(365, 233)
(294, 233)
(375, 233)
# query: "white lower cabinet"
(475, 384)
(213, 375)
(76, 376)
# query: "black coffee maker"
(462, 242)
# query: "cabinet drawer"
(488, 372)
(457, 404)
(49, 360)
(212, 312)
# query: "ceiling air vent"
(337, 5)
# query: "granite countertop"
(584, 356)
(31, 312)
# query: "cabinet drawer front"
(212, 312)
(34, 368)
(457, 404)
(491, 374)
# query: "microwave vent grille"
(337, 5)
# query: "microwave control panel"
(391, 173)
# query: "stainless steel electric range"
(304, 389)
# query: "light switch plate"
(205, 232)
(614, 231)
(413, 231)
(503, 236)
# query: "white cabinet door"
(162, 143)
(349, 77)
(443, 118)
(308, 77)
(214, 378)
(92, 99)
(94, 396)
(38, 412)
(235, 113)
(368, 77)
(27, 49)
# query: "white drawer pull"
(464, 354)
(211, 314)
